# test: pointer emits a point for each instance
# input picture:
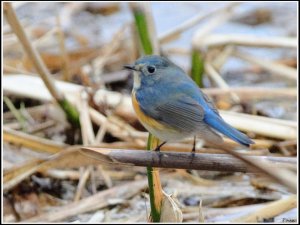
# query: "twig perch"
(179, 160)
(237, 162)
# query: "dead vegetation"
(49, 177)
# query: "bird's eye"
(151, 69)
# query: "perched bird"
(172, 107)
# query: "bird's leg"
(158, 147)
(194, 146)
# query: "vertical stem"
(145, 27)
(15, 112)
(146, 32)
(64, 55)
(197, 70)
(155, 189)
(142, 30)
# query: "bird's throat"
(136, 80)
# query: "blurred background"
(246, 61)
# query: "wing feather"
(184, 114)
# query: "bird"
(172, 107)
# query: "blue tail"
(216, 122)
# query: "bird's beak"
(130, 67)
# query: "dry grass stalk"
(270, 210)
(122, 102)
(196, 179)
(34, 56)
(17, 114)
(45, 39)
(216, 77)
(114, 129)
(214, 22)
(31, 141)
(88, 138)
(33, 87)
(7, 69)
(93, 179)
(265, 126)
(63, 174)
(201, 216)
(215, 40)
(106, 177)
(282, 175)
(94, 202)
(32, 53)
(127, 128)
(249, 93)
(275, 68)
(64, 54)
(69, 158)
(87, 132)
(85, 173)
(176, 31)
(101, 132)
(222, 57)
(41, 126)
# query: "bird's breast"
(144, 119)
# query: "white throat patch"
(136, 80)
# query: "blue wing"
(181, 113)
(214, 120)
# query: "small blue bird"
(172, 107)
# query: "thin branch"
(179, 160)
(236, 163)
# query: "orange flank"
(143, 117)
